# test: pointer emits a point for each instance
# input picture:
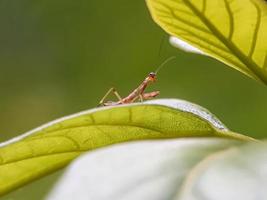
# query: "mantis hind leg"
(110, 91)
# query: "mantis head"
(152, 77)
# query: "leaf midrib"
(42, 155)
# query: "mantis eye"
(152, 74)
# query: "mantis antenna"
(164, 63)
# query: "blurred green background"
(60, 57)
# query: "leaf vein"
(256, 30)
(88, 125)
(41, 155)
(78, 149)
(231, 19)
(220, 54)
(198, 36)
(204, 6)
(183, 20)
(76, 144)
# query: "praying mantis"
(138, 93)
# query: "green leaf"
(54, 145)
(232, 31)
(236, 173)
(140, 170)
